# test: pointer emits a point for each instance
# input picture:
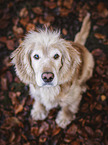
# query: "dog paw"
(62, 120)
(39, 114)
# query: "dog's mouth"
(48, 84)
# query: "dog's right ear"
(22, 61)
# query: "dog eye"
(36, 56)
(56, 56)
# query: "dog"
(56, 71)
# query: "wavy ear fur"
(71, 61)
(21, 59)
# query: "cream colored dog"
(56, 71)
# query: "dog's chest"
(48, 97)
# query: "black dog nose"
(47, 77)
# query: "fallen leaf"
(13, 98)
(68, 3)
(99, 36)
(64, 31)
(64, 12)
(18, 30)
(49, 18)
(73, 129)
(10, 44)
(37, 10)
(23, 12)
(75, 143)
(9, 76)
(12, 137)
(18, 108)
(24, 21)
(98, 107)
(3, 39)
(4, 86)
(97, 52)
(30, 26)
(103, 97)
(50, 5)
(42, 138)
(89, 130)
(11, 122)
(56, 131)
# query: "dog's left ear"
(21, 59)
(70, 58)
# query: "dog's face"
(44, 58)
(46, 62)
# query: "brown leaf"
(98, 107)
(35, 131)
(42, 138)
(23, 12)
(97, 52)
(9, 76)
(24, 21)
(89, 130)
(30, 26)
(99, 70)
(4, 84)
(18, 30)
(99, 36)
(10, 44)
(44, 127)
(11, 122)
(7, 62)
(3, 39)
(13, 98)
(18, 108)
(75, 143)
(50, 5)
(103, 97)
(64, 12)
(56, 131)
(64, 31)
(49, 18)
(73, 129)
(68, 3)
(12, 137)
(37, 10)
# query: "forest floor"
(90, 127)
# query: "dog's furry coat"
(70, 63)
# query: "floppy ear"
(70, 60)
(21, 59)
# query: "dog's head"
(44, 58)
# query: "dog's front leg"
(64, 117)
(38, 112)
(69, 104)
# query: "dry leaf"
(23, 12)
(37, 10)
(10, 44)
(50, 5)
(99, 36)
(18, 108)
(24, 21)
(56, 131)
(30, 26)
(18, 30)
(4, 84)
(103, 97)
(64, 31)
(68, 3)
(73, 129)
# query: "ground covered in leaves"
(90, 127)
